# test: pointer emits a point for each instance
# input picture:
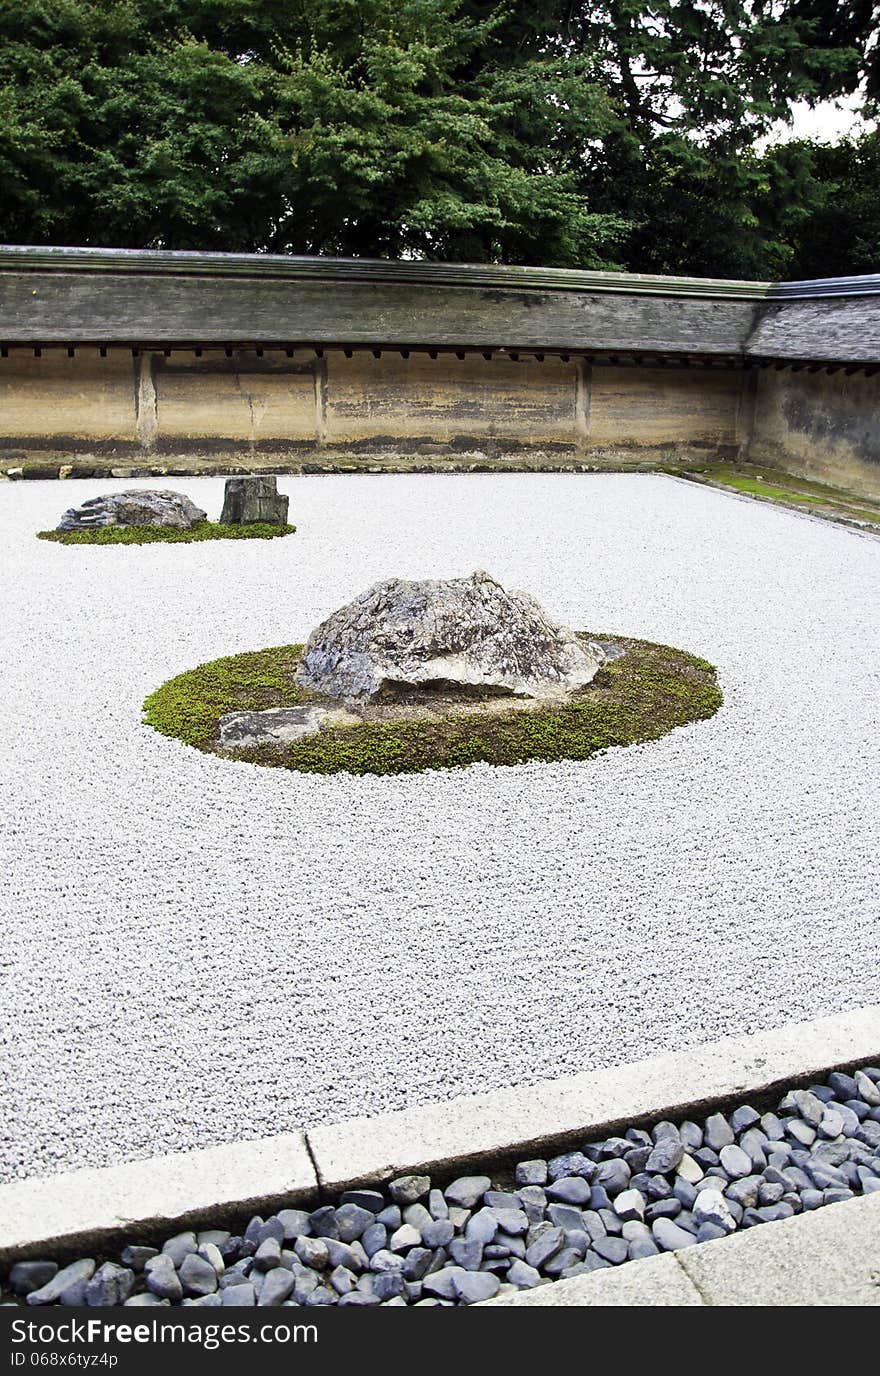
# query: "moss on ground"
(166, 535)
(640, 697)
(772, 485)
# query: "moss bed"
(647, 692)
(154, 535)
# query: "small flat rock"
(735, 1161)
(531, 1173)
(669, 1236)
(612, 1176)
(467, 1191)
(239, 1296)
(441, 1284)
(162, 1278)
(471, 1287)
(280, 726)
(570, 1189)
(690, 1170)
(710, 1206)
(27, 1276)
(525, 1277)
(743, 1118)
(539, 1252)
(629, 1205)
(180, 1246)
(197, 1276)
(438, 1233)
(409, 1189)
(867, 1089)
(404, 1237)
(352, 1221)
(717, 1132)
(665, 1156)
(53, 1292)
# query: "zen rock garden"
(414, 1241)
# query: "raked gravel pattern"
(196, 950)
(620, 1199)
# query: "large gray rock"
(469, 632)
(135, 508)
(248, 500)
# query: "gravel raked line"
(196, 950)
(596, 1205)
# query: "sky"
(827, 122)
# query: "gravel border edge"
(825, 1258)
(92, 1207)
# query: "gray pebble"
(523, 1276)
(407, 1189)
(198, 1276)
(531, 1173)
(162, 1278)
(717, 1133)
(665, 1156)
(736, 1162)
(352, 1221)
(277, 1287)
(467, 1191)
(27, 1276)
(544, 1247)
(669, 1236)
(438, 1233)
(472, 1287)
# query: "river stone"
(253, 499)
(468, 632)
(135, 508)
(279, 725)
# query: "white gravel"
(194, 950)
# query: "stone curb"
(827, 1258)
(532, 1118)
(91, 1208)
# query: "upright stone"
(250, 500)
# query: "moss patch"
(772, 485)
(641, 696)
(165, 535)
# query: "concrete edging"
(94, 1207)
(444, 1137)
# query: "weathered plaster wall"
(274, 400)
(820, 425)
(659, 406)
(86, 398)
(453, 400)
(247, 398)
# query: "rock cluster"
(470, 632)
(134, 508)
(605, 1203)
(247, 501)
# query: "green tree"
(554, 131)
